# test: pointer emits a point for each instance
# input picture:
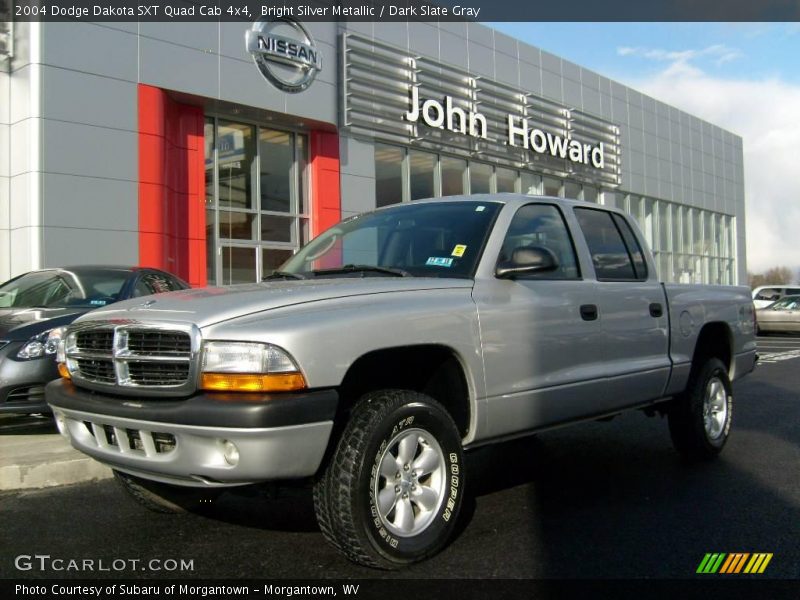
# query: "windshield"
(787, 303)
(61, 289)
(438, 239)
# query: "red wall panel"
(172, 232)
(326, 201)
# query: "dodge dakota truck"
(389, 345)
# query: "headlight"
(44, 344)
(248, 367)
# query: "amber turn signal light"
(252, 382)
(63, 371)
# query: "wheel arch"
(715, 340)
(433, 369)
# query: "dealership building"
(216, 149)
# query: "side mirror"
(525, 260)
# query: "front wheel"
(700, 418)
(391, 493)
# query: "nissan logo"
(285, 53)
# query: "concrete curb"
(38, 461)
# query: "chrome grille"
(133, 356)
(162, 343)
(157, 373)
(98, 370)
(96, 340)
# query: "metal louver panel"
(378, 81)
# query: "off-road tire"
(692, 435)
(163, 497)
(345, 498)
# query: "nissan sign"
(285, 53)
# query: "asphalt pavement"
(596, 500)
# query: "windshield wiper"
(283, 275)
(363, 269)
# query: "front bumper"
(183, 442)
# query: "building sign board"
(395, 96)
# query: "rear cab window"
(616, 254)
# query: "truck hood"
(207, 306)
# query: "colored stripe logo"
(734, 563)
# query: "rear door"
(631, 306)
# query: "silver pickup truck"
(386, 347)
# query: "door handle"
(656, 310)
(589, 312)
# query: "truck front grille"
(153, 373)
(96, 340)
(132, 356)
(159, 343)
(101, 371)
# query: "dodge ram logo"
(285, 53)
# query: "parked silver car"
(782, 316)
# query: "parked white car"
(765, 295)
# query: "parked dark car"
(35, 308)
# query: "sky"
(744, 77)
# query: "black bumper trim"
(203, 409)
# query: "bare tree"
(773, 276)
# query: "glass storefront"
(689, 245)
(256, 199)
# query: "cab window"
(542, 225)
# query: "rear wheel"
(163, 497)
(391, 494)
(700, 418)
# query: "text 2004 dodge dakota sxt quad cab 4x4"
(389, 344)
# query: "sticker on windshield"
(439, 261)
(459, 250)
(481, 208)
(98, 302)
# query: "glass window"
(480, 178)
(542, 225)
(238, 265)
(697, 232)
(552, 187)
(423, 167)
(235, 160)
(437, 239)
(302, 174)
(686, 246)
(572, 190)
(388, 175)
(237, 225)
(609, 254)
(506, 180)
(453, 172)
(276, 229)
(211, 194)
(649, 220)
(155, 283)
(634, 249)
(272, 259)
(589, 193)
(277, 161)
(664, 226)
(253, 182)
(708, 233)
(531, 184)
